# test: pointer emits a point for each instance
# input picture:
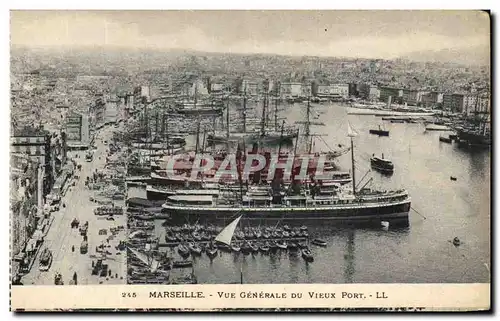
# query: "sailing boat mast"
(195, 93)
(197, 136)
(281, 138)
(296, 143)
(166, 132)
(156, 123)
(263, 120)
(351, 133)
(203, 142)
(353, 168)
(227, 125)
(276, 111)
(245, 110)
(308, 123)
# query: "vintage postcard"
(250, 160)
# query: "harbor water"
(442, 209)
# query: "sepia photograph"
(318, 148)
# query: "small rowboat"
(319, 242)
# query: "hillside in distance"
(474, 56)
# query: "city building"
(216, 87)
(411, 97)
(353, 90)
(454, 102)
(77, 131)
(429, 99)
(36, 145)
(385, 92)
(249, 88)
(26, 191)
(333, 91)
(142, 94)
(291, 89)
(198, 88)
(111, 112)
(145, 92)
(476, 104)
(369, 92)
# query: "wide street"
(61, 238)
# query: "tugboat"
(381, 164)
(379, 131)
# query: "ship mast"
(281, 138)
(195, 93)
(351, 133)
(197, 136)
(276, 111)
(263, 120)
(166, 132)
(245, 110)
(227, 125)
(308, 124)
(353, 168)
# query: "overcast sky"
(372, 34)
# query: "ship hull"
(200, 112)
(466, 139)
(395, 214)
(154, 194)
(250, 138)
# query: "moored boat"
(307, 255)
(319, 242)
(182, 264)
(235, 248)
(381, 164)
(264, 248)
(379, 131)
(282, 245)
(183, 250)
(212, 251)
(253, 247)
(292, 246)
(194, 248)
(445, 139)
(343, 205)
